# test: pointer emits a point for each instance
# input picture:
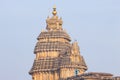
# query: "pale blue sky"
(95, 24)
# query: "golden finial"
(54, 11)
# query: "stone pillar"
(52, 75)
(34, 77)
(49, 75)
(46, 74)
(72, 72)
(69, 72)
(55, 75)
(37, 76)
(41, 75)
(62, 73)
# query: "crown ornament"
(54, 23)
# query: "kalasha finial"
(54, 11)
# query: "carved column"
(40, 76)
(62, 73)
(55, 76)
(33, 77)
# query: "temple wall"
(67, 72)
(45, 76)
(51, 54)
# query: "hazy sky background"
(95, 24)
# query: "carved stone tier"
(54, 34)
(51, 46)
(52, 64)
(48, 64)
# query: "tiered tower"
(56, 57)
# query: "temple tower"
(56, 57)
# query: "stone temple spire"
(54, 23)
(56, 58)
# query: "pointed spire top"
(54, 11)
(54, 23)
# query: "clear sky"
(95, 24)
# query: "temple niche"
(57, 58)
